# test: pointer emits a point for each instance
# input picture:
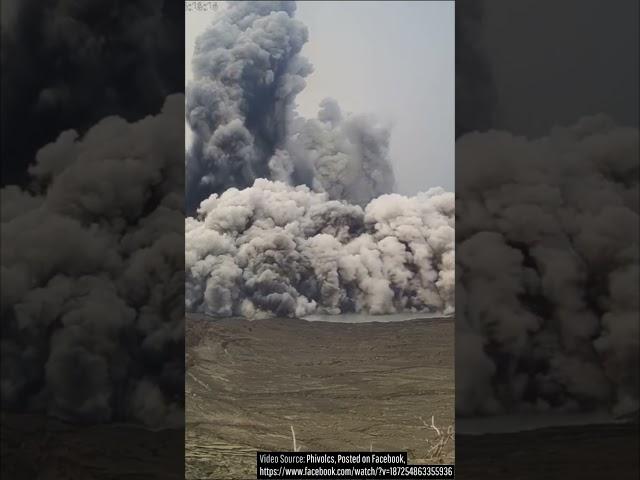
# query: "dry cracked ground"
(342, 387)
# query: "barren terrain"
(340, 386)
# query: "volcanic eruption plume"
(277, 249)
(241, 110)
(297, 215)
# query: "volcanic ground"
(341, 386)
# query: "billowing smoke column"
(547, 270)
(92, 282)
(296, 214)
(274, 249)
(241, 110)
(348, 155)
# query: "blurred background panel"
(92, 336)
(547, 330)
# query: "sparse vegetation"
(440, 449)
(293, 436)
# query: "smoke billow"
(547, 269)
(349, 155)
(240, 107)
(92, 297)
(277, 249)
(296, 215)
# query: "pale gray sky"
(392, 59)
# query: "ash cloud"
(349, 154)
(296, 215)
(547, 247)
(547, 234)
(275, 249)
(92, 297)
(241, 109)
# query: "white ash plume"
(274, 249)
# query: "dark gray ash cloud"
(547, 234)
(546, 224)
(92, 297)
(247, 72)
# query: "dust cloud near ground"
(341, 387)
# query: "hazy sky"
(391, 59)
